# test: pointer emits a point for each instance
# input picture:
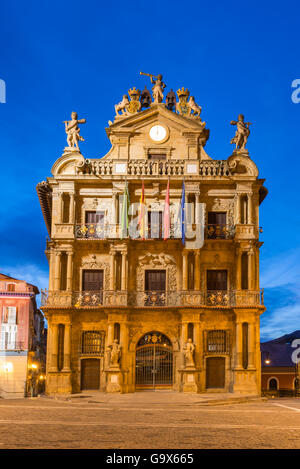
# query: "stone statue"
(189, 353)
(146, 98)
(171, 100)
(194, 107)
(115, 353)
(122, 105)
(242, 133)
(72, 131)
(158, 88)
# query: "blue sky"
(234, 57)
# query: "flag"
(141, 220)
(183, 214)
(125, 208)
(167, 213)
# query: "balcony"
(114, 231)
(219, 231)
(189, 298)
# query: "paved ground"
(155, 420)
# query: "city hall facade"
(141, 297)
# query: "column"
(238, 209)
(57, 271)
(197, 210)
(183, 340)
(67, 348)
(54, 346)
(110, 333)
(251, 345)
(197, 270)
(251, 274)
(124, 276)
(51, 269)
(184, 271)
(249, 206)
(72, 208)
(69, 270)
(239, 345)
(112, 286)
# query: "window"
(155, 224)
(66, 208)
(11, 287)
(216, 280)
(92, 343)
(191, 271)
(216, 225)
(190, 331)
(157, 156)
(63, 271)
(244, 271)
(273, 384)
(245, 345)
(94, 217)
(217, 342)
(9, 315)
(155, 280)
(60, 353)
(92, 280)
(117, 331)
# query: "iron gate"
(154, 362)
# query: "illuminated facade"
(127, 313)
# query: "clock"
(158, 133)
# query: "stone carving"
(182, 107)
(72, 130)
(171, 100)
(152, 261)
(129, 107)
(115, 353)
(158, 88)
(242, 133)
(194, 107)
(93, 262)
(189, 354)
(121, 106)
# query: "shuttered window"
(92, 280)
(155, 280)
(217, 280)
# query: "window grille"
(92, 343)
(217, 341)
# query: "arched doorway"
(154, 362)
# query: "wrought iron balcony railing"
(147, 298)
(219, 231)
(113, 231)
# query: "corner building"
(150, 296)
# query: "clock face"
(158, 133)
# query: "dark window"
(273, 384)
(155, 224)
(63, 271)
(216, 218)
(118, 271)
(94, 217)
(244, 271)
(117, 331)
(11, 287)
(66, 208)
(216, 280)
(157, 156)
(245, 345)
(190, 330)
(191, 271)
(155, 280)
(92, 280)
(60, 354)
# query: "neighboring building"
(280, 371)
(131, 314)
(21, 338)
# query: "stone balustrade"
(105, 298)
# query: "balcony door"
(155, 224)
(94, 217)
(155, 286)
(92, 289)
(216, 280)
